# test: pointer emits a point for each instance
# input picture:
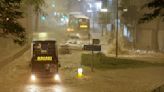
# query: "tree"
(10, 12)
(37, 7)
(130, 19)
(130, 16)
(156, 10)
(104, 19)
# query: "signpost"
(96, 41)
(93, 47)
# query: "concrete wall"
(143, 39)
(144, 35)
(161, 40)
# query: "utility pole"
(93, 15)
(117, 30)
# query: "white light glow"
(33, 77)
(43, 18)
(7, 18)
(104, 10)
(53, 5)
(98, 5)
(62, 19)
(66, 20)
(57, 78)
(90, 5)
(55, 14)
(78, 35)
(32, 88)
(80, 73)
(80, 70)
(125, 31)
(58, 88)
(89, 10)
(125, 10)
(42, 35)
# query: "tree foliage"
(131, 15)
(37, 4)
(10, 12)
(156, 8)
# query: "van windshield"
(44, 51)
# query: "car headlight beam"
(57, 77)
(33, 77)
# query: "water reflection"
(44, 88)
(32, 88)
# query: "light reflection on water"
(31, 88)
(44, 88)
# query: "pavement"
(15, 76)
(143, 79)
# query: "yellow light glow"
(44, 58)
(83, 26)
(80, 72)
(42, 35)
(69, 29)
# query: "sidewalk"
(12, 54)
(144, 79)
(133, 54)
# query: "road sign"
(96, 41)
(92, 47)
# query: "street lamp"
(117, 23)
(125, 10)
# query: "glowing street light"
(125, 9)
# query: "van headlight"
(70, 29)
(57, 77)
(33, 77)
